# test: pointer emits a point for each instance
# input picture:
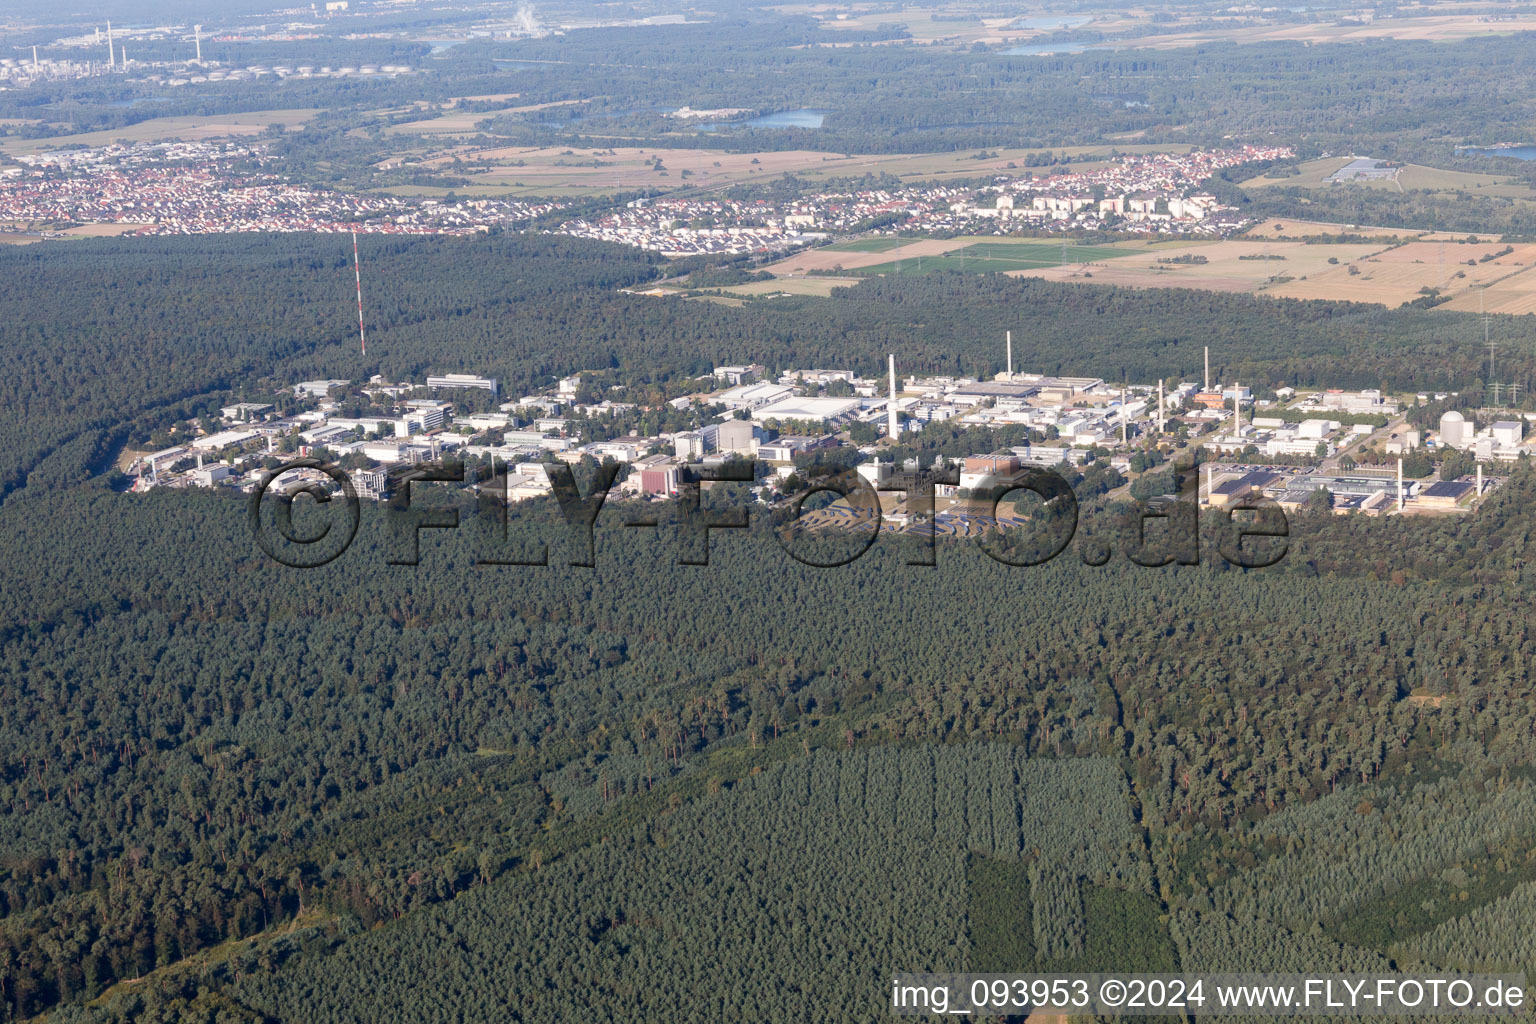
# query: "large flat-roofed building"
(980, 472)
(1368, 401)
(225, 438)
(1353, 486)
(461, 380)
(996, 390)
(317, 388)
(418, 422)
(817, 410)
(548, 442)
(1507, 433)
(1051, 455)
(1209, 399)
(784, 449)
(753, 396)
(738, 375)
(245, 410)
(692, 444)
(660, 479)
(1447, 493)
(1235, 489)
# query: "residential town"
(188, 188)
(213, 187)
(1136, 194)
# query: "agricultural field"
(160, 129)
(1288, 228)
(1385, 273)
(1398, 275)
(975, 253)
(1004, 256)
(630, 167)
(1441, 27)
(868, 245)
(1378, 265)
(931, 25)
(463, 122)
(821, 287)
(852, 259)
(1235, 265)
(570, 170)
(16, 234)
(942, 25)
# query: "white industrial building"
(317, 388)
(1507, 433)
(461, 380)
(820, 410)
(225, 438)
(753, 396)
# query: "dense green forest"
(104, 341)
(364, 764)
(278, 794)
(1354, 96)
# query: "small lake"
(1527, 152)
(807, 118)
(599, 115)
(790, 119)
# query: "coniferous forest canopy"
(283, 794)
(648, 791)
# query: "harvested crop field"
(1235, 265)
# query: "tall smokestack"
(1123, 438)
(1161, 416)
(1479, 479)
(1237, 409)
(1010, 355)
(1399, 483)
(34, 56)
(111, 54)
(197, 34)
(891, 409)
(1207, 367)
